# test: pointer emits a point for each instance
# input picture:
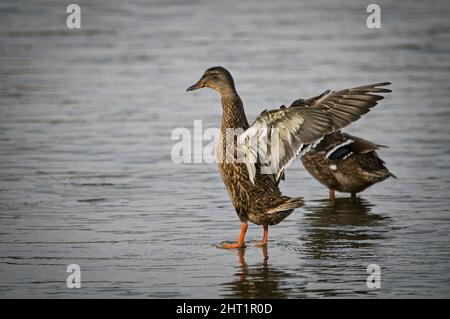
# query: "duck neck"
(233, 111)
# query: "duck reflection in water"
(258, 281)
(331, 227)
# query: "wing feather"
(278, 136)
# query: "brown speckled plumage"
(253, 184)
(355, 169)
(252, 202)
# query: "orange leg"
(241, 240)
(265, 237)
(331, 194)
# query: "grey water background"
(86, 174)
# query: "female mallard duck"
(345, 163)
(251, 170)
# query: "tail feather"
(291, 204)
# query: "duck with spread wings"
(252, 162)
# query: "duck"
(346, 163)
(252, 158)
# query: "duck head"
(217, 78)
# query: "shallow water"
(86, 173)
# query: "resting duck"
(346, 163)
(251, 165)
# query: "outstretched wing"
(348, 105)
(278, 136)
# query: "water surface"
(86, 175)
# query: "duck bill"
(196, 86)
